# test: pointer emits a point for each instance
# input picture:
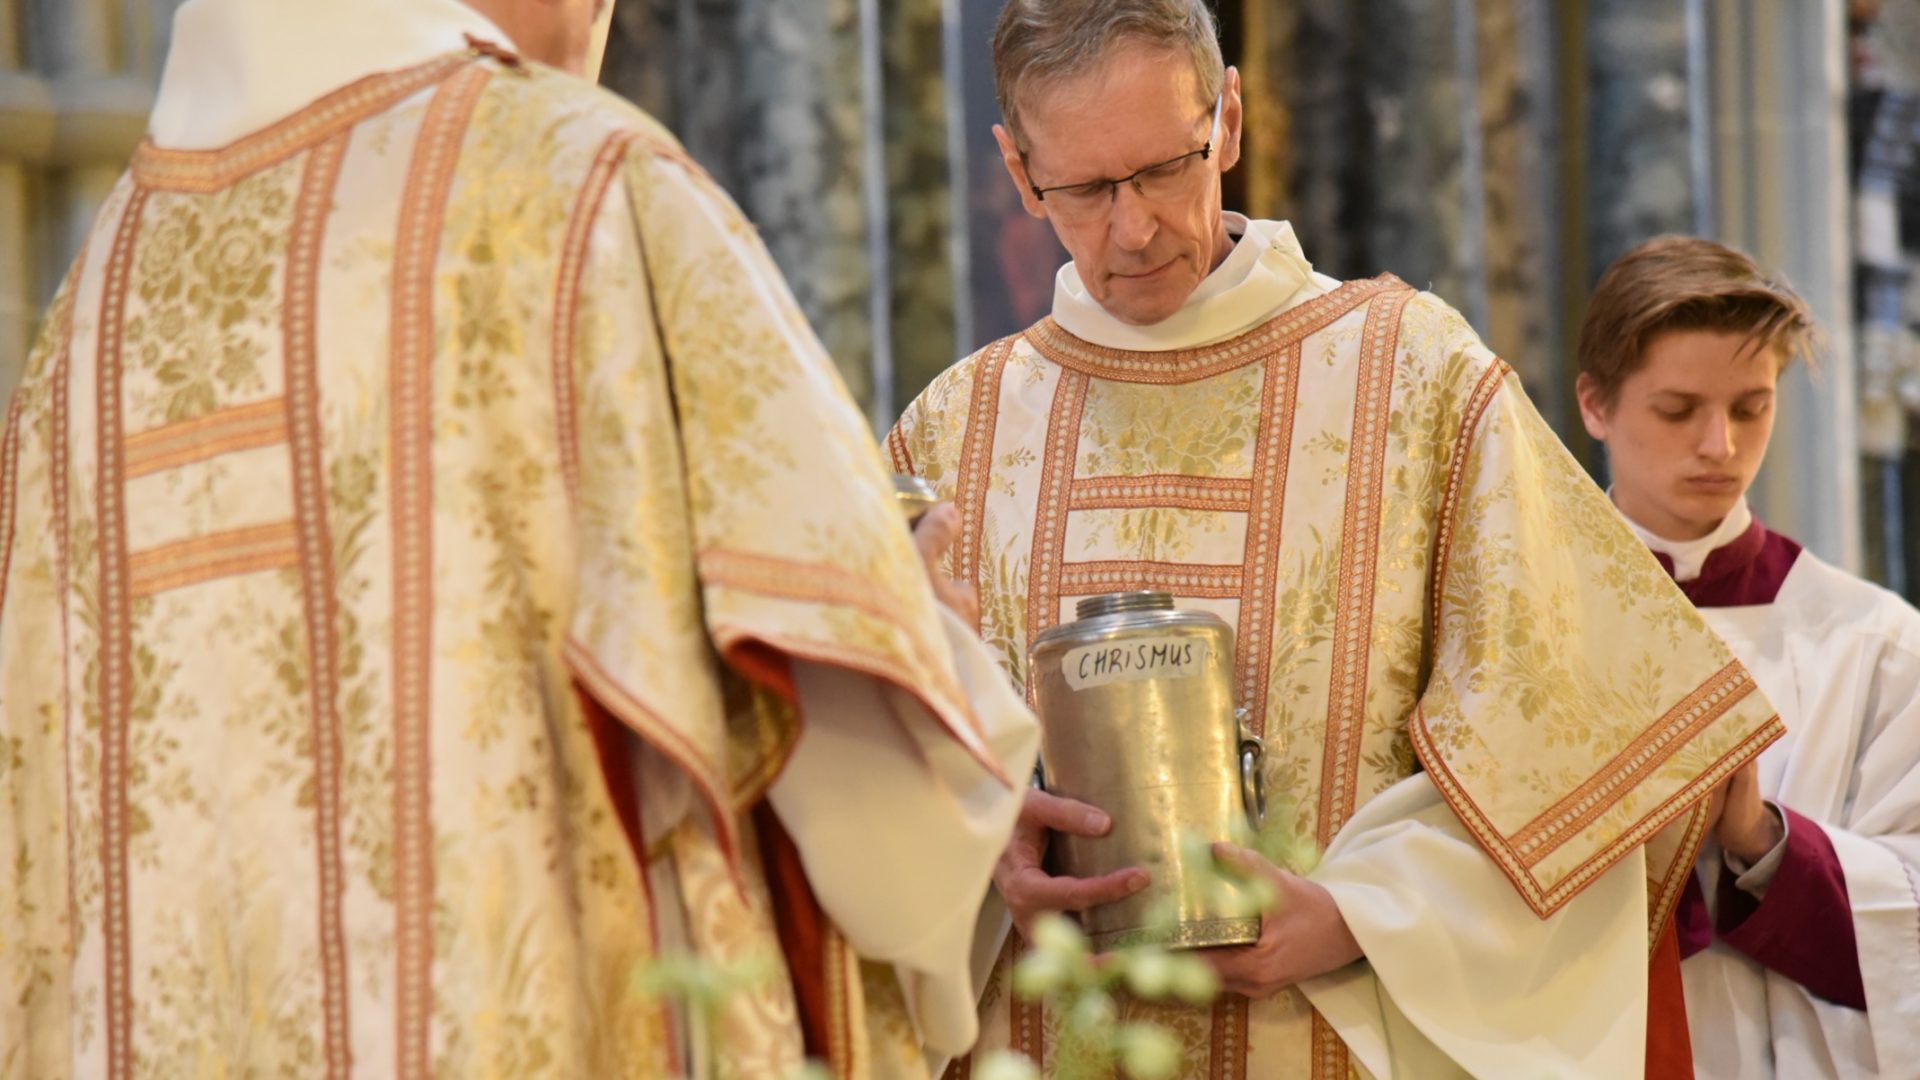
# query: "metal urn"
(1137, 717)
(914, 496)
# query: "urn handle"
(1253, 781)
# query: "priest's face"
(1141, 248)
(1686, 433)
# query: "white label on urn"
(1132, 661)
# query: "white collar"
(1689, 556)
(1265, 272)
(236, 66)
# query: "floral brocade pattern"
(1422, 577)
(203, 304)
(267, 813)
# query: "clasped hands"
(1742, 822)
(1301, 936)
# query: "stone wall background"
(76, 82)
(1499, 152)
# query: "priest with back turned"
(443, 581)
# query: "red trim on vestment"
(616, 768)
(803, 929)
(764, 666)
(1669, 1048)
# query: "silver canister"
(1137, 717)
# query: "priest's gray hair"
(1038, 42)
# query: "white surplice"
(1840, 658)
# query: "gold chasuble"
(374, 477)
(1420, 578)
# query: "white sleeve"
(899, 827)
(1754, 877)
(1461, 978)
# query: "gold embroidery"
(976, 456)
(1180, 579)
(1666, 896)
(1610, 795)
(1477, 402)
(1359, 561)
(9, 475)
(1190, 365)
(844, 1052)
(566, 301)
(205, 303)
(1546, 900)
(416, 251)
(1171, 490)
(216, 555)
(116, 645)
(897, 452)
(1280, 393)
(301, 419)
(1050, 513)
(664, 737)
(1228, 1061)
(791, 579)
(1205, 430)
(58, 479)
(1025, 1017)
(225, 431)
(210, 170)
(1329, 1051)
(1648, 751)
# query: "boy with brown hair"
(1801, 926)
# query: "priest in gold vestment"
(1486, 707)
(440, 577)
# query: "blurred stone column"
(1425, 221)
(1780, 192)
(77, 39)
(18, 295)
(766, 95)
(76, 83)
(1362, 129)
(642, 62)
(1308, 147)
(1519, 139)
(919, 197)
(1266, 137)
(1639, 151)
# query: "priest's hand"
(1029, 890)
(935, 532)
(1302, 937)
(1743, 823)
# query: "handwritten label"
(1132, 661)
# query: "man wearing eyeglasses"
(1487, 714)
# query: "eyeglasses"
(1169, 180)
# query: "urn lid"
(1117, 614)
(1114, 603)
